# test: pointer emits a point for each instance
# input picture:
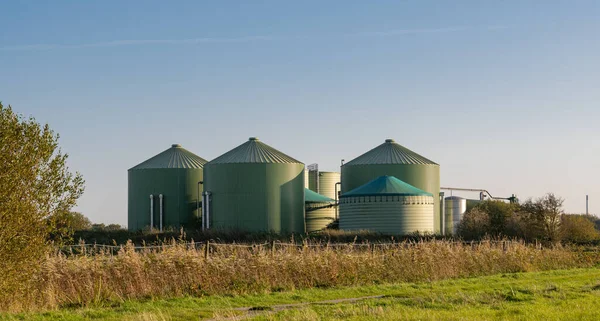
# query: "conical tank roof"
(174, 157)
(314, 197)
(390, 152)
(386, 185)
(254, 151)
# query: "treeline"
(542, 219)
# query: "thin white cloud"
(119, 43)
(206, 40)
(400, 32)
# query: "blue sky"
(502, 94)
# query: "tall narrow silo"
(456, 207)
(255, 187)
(392, 159)
(387, 205)
(163, 190)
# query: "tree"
(545, 216)
(578, 229)
(35, 185)
(500, 213)
(475, 224)
(106, 228)
(64, 225)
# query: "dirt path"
(249, 312)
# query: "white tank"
(305, 178)
(455, 210)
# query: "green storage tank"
(324, 183)
(255, 187)
(166, 183)
(387, 205)
(320, 211)
(395, 160)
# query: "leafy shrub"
(578, 229)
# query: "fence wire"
(207, 246)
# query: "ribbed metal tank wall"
(455, 209)
(318, 216)
(255, 187)
(394, 215)
(387, 205)
(174, 174)
(393, 159)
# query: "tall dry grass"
(184, 269)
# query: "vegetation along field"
(554, 295)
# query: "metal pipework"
(160, 201)
(151, 211)
(205, 210)
(482, 193)
(336, 198)
(443, 211)
(198, 213)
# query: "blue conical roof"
(314, 197)
(386, 185)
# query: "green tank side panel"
(179, 188)
(423, 176)
(256, 196)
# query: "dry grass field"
(99, 278)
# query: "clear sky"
(504, 95)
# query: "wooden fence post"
(272, 248)
(206, 249)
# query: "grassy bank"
(180, 270)
(551, 295)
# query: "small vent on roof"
(175, 145)
(253, 138)
(389, 140)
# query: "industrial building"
(254, 187)
(387, 205)
(392, 159)
(163, 190)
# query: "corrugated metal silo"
(313, 180)
(167, 183)
(320, 211)
(327, 183)
(255, 187)
(455, 209)
(387, 205)
(395, 160)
